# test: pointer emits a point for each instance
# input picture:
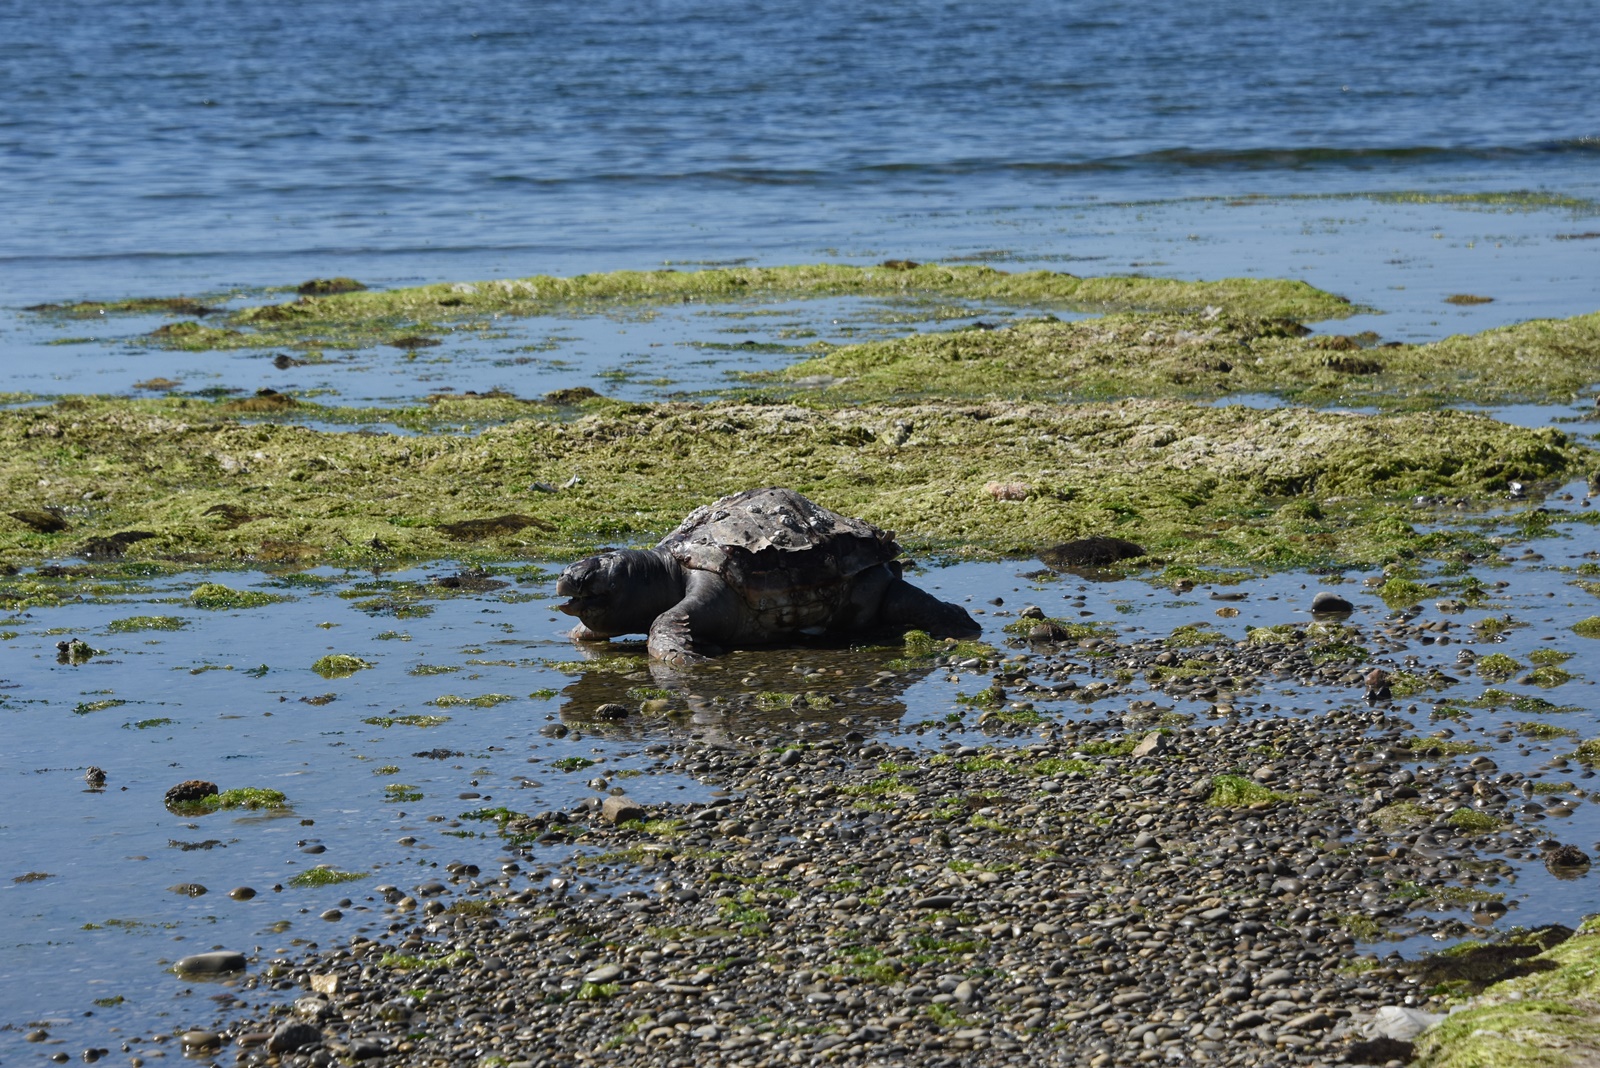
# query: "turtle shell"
(792, 560)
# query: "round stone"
(603, 974)
(1330, 604)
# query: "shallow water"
(227, 699)
(641, 353)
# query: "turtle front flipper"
(904, 605)
(704, 624)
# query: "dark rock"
(321, 287)
(1379, 1051)
(217, 962)
(113, 546)
(190, 790)
(1566, 861)
(39, 520)
(1327, 604)
(572, 395)
(294, 1035)
(1096, 551)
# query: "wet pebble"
(292, 1036)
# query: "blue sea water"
(201, 143)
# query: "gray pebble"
(294, 1035)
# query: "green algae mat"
(1193, 484)
(969, 443)
(1214, 354)
(342, 314)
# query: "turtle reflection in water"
(813, 693)
(758, 568)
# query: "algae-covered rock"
(215, 595)
(321, 287)
(38, 519)
(339, 666)
(1549, 1015)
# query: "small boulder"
(217, 962)
(1327, 605)
(1097, 551)
(1154, 744)
(294, 1035)
(190, 790)
(621, 810)
(1566, 861)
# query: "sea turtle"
(753, 568)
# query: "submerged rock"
(216, 962)
(1328, 605)
(1095, 551)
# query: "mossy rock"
(339, 665)
(214, 595)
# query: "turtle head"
(620, 592)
